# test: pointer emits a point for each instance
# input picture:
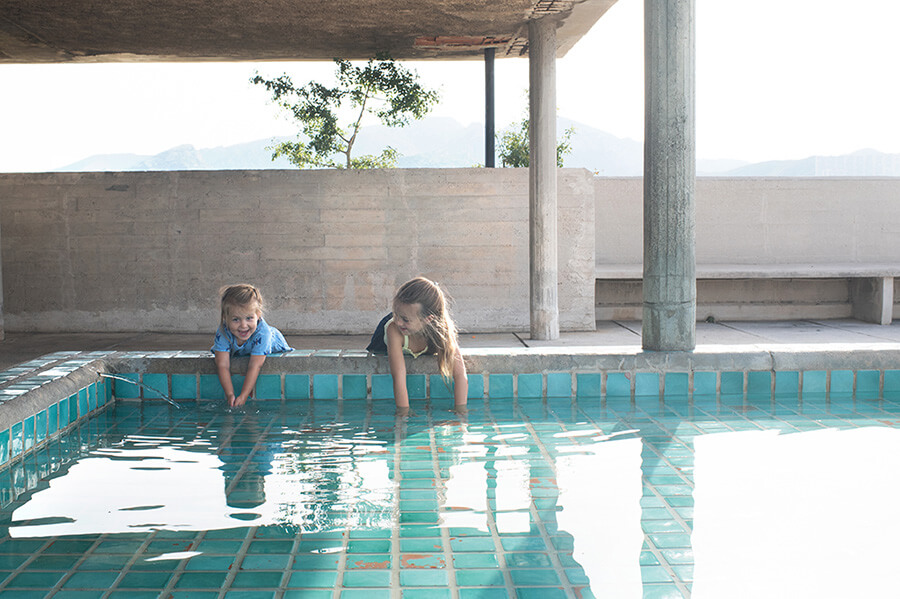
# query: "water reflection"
(797, 515)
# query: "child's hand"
(240, 400)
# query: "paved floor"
(844, 334)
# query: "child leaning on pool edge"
(420, 323)
(243, 332)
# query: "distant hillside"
(445, 143)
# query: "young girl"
(420, 323)
(243, 332)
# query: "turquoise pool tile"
(354, 386)
(530, 385)
(155, 385)
(316, 579)
(184, 386)
(476, 386)
(4, 446)
(646, 384)
(424, 593)
(367, 578)
(245, 580)
(868, 384)
(705, 383)
(500, 386)
(83, 408)
(62, 407)
(415, 386)
(559, 384)
(759, 383)
(480, 578)
(540, 593)
(732, 383)
(296, 386)
(17, 443)
(201, 580)
(325, 386)
(841, 382)
(484, 593)
(127, 390)
(438, 388)
(382, 386)
(364, 594)
(787, 382)
(40, 426)
(210, 388)
(423, 578)
(676, 384)
(534, 577)
(422, 560)
(588, 384)
(618, 385)
(891, 383)
(815, 381)
(92, 396)
(268, 386)
(73, 408)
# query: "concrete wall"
(817, 222)
(149, 251)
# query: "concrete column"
(544, 269)
(669, 286)
(873, 299)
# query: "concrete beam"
(542, 192)
(669, 289)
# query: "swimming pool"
(770, 484)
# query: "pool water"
(703, 497)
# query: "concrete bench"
(871, 285)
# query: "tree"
(514, 145)
(381, 88)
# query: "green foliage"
(381, 88)
(513, 147)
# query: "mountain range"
(438, 142)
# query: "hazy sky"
(776, 79)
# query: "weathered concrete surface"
(149, 251)
(191, 30)
(669, 289)
(785, 229)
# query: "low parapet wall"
(85, 252)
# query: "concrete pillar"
(873, 299)
(669, 286)
(544, 269)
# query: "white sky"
(776, 79)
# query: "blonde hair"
(440, 330)
(240, 295)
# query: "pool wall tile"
(438, 388)
(731, 383)
(210, 387)
(268, 386)
(296, 386)
(618, 384)
(83, 403)
(841, 382)
(588, 384)
(500, 386)
(155, 385)
(415, 386)
(787, 383)
(676, 384)
(126, 390)
(354, 386)
(815, 381)
(476, 386)
(559, 384)
(325, 386)
(868, 384)
(704, 383)
(40, 426)
(891, 384)
(382, 386)
(646, 384)
(759, 383)
(4, 446)
(530, 385)
(184, 386)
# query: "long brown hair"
(440, 330)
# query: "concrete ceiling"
(48, 31)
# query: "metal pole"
(489, 160)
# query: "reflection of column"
(465, 498)
(602, 512)
(513, 496)
(244, 466)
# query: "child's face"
(242, 321)
(408, 318)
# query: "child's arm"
(253, 368)
(398, 365)
(460, 381)
(223, 369)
